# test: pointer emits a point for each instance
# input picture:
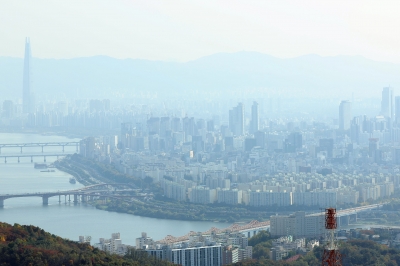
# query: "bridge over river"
(254, 227)
(104, 191)
(40, 145)
(39, 153)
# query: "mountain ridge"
(312, 75)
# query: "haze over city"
(200, 132)
(187, 30)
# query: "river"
(67, 220)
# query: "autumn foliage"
(30, 245)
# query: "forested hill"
(30, 245)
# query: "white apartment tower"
(344, 115)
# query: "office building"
(126, 133)
(397, 110)
(249, 143)
(293, 142)
(87, 147)
(27, 96)
(255, 120)
(344, 115)
(387, 109)
(327, 146)
(396, 155)
(373, 146)
(236, 120)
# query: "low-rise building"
(113, 245)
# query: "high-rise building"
(27, 101)
(236, 120)
(356, 129)
(293, 142)
(373, 146)
(205, 255)
(8, 109)
(297, 224)
(260, 138)
(126, 133)
(254, 125)
(387, 109)
(326, 145)
(397, 109)
(344, 115)
(396, 155)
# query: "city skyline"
(229, 131)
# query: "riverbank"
(184, 211)
(90, 172)
(81, 176)
(65, 218)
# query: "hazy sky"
(189, 29)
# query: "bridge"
(81, 194)
(346, 216)
(33, 155)
(41, 145)
(250, 229)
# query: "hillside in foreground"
(30, 245)
(355, 252)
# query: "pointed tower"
(26, 85)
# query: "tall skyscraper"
(387, 109)
(236, 120)
(254, 125)
(27, 101)
(397, 110)
(344, 115)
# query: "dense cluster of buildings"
(297, 163)
(281, 247)
(112, 245)
(295, 234)
(200, 249)
(186, 179)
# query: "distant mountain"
(101, 76)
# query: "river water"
(67, 220)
